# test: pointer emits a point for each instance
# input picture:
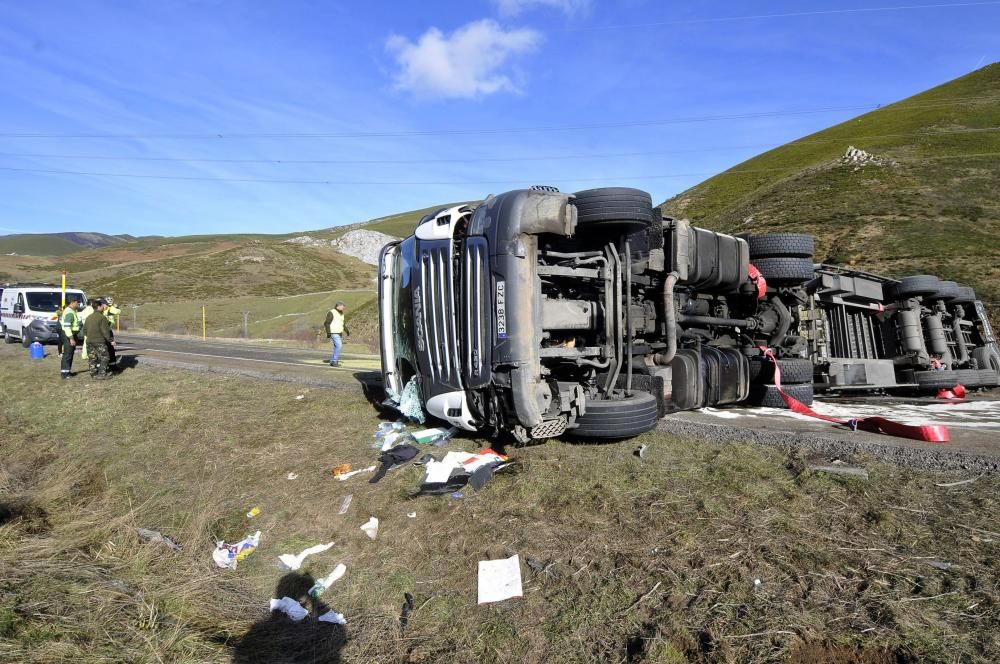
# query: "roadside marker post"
(204, 336)
(63, 299)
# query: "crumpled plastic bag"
(370, 528)
(227, 555)
(332, 616)
(410, 403)
(290, 608)
(293, 561)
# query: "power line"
(453, 183)
(750, 17)
(607, 155)
(961, 101)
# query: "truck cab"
(30, 312)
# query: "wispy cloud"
(515, 7)
(469, 62)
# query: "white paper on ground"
(369, 469)
(290, 608)
(293, 476)
(227, 555)
(332, 616)
(371, 528)
(293, 561)
(438, 472)
(499, 579)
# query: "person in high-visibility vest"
(112, 313)
(335, 328)
(84, 315)
(69, 330)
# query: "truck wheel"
(965, 296)
(793, 370)
(936, 380)
(769, 397)
(915, 286)
(968, 377)
(989, 378)
(987, 357)
(947, 290)
(785, 270)
(618, 418)
(614, 208)
(780, 245)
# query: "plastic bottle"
(325, 582)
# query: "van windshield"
(50, 301)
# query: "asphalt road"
(257, 360)
(974, 425)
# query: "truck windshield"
(402, 305)
(49, 301)
(396, 313)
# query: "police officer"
(99, 341)
(69, 330)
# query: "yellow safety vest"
(70, 322)
(337, 323)
(111, 313)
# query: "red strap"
(930, 433)
(758, 280)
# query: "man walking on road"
(97, 330)
(69, 329)
(335, 327)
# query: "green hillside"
(56, 244)
(933, 205)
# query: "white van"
(30, 312)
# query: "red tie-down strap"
(930, 433)
(758, 280)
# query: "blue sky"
(392, 99)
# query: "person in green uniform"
(97, 330)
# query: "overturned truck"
(539, 313)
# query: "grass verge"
(623, 560)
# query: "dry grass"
(623, 560)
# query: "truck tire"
(781, 245)
(614, 208)
(935, 380)
(968, 377)
(769, 397)
(618, 418)
(915, 286)
(785, 270)
(987, 357)
(947, 291)
(793, 370)
(965, 296)
(989, 378)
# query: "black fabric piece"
(392, 457)
(458, 479)
(481, 477)
(404, 615)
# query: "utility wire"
(751, 17)
(519, 130)
(453, 183)
(607, 155)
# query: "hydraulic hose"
(670, 316)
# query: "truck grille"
(476, 307)
(438, 312)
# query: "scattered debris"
(478, 479)
(940, 564)
(841, 470)
(857, 157)
(332, 616)
(346, 503)
(756, 582)
(290, 608)
(300, 397)
(458, 494)
(293, 561)
(436, 435)
(325, 582)
(456, 469)
(293, 476)
(499, 579)
(958, 483)
(253, 512)
(337, 471)
(404, 614)
(412, 515)
(640, 451)
(158, 538)
(393, 457)
(227, 555)
(371, 528)
(539, 567)
(410, 402)
(346, 476)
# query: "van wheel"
(618, 418)
(25, 338)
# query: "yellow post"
(64, 290)
(203, 336)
